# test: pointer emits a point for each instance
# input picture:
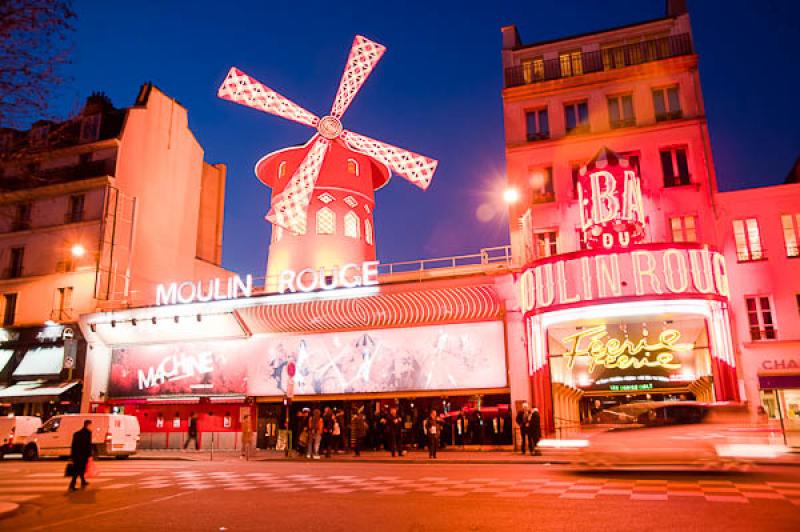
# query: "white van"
(112, 435)
(16, 432)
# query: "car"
(679, 434)
(112, 435)
(15, 432)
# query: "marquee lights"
(612, 353)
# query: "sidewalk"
(455, 456)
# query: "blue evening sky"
(436, 91)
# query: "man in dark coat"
(524, 422)
(394, 432)
(81, 452)
(192, 435)
(535, 431)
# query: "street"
(335, 495)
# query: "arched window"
(277, 233)
(351, 225)
(326, 221)
(282, 169)
(352, 167)
(368, 232)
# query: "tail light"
(108, 437)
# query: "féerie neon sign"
(611, 353)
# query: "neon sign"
(176, 367)
(347, 276)
(610, 199)
(204, 291)
(580, 278)
(612, 353)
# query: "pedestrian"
(247, 437)
(432, 430)
(535, 431)
(524, 423)
(314, 434)
(358, 429)
(81, 453)
(394, 432)
(192, 434)
(328, 424)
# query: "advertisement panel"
(443, 357)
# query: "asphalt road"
(332, 496)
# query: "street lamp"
(511, 195)
(78, 250)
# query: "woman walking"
(314, 434)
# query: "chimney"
(676, 8)
(510, 37)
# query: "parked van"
(112, 435)
(16, 432)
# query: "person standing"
(81, 452)
(524, 423)
(535, 431)
(192, 434)
(247, 437)
(358, 429)
(328, 424)
(314, 434)
(432, 429)
(394, 432)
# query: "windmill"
(333, 176)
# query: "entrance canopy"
(35, 391)
(41, 362)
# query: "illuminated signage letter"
(680, 267)
(286, 281)
(640, 272)
(608, 275)
(167, 296)
(369, 273)
(605, 205)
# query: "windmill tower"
(323, 198)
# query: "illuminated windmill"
(323, 192)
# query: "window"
(15, 262)
(546, 243)
(351, 225)
(352, 167)
(675, 167)
(577, 117)
(575, 169)
(633, 161)
(537, 124)
(667, 104)
(620, 111)
(759, 317)
(368, 232)
(570, 63)
(62, 306)
(532, 70)
(282, 169)
(9, 309)
(326, 221)
(542, 185)
(791, 229)
(90, 128)
(684, 228)
(22, 217)
(75, 212)
(748, 240)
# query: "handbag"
(303, 439)
(69, 470)
(91, 469)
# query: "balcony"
(602, 60)
(37, 177)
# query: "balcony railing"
(600, 60)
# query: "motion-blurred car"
(679, 433)
(16, 432)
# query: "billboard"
(440, 357)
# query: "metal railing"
(599, 60)
(499, 255)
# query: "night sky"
(436, 91)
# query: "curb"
(8, 509)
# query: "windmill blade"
(415, 167)
(364, 55)
(290, 208)
(240, 88)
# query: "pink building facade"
(636, 91)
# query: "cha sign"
(579, 279)
(347, 276)
(204, 291)
(610, 199)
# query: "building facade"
(94, 214)
(635, 91)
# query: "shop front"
(418, 347)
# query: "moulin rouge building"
(629, 276)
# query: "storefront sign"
(347, 276)
(204, 291)
(175, 367)
(610, 353)
(590, 277)
(778, 364)
(610, 199)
